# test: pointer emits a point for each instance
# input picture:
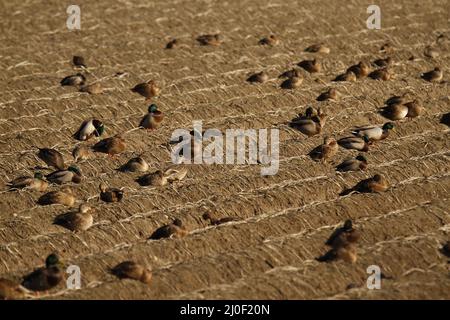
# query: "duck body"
(361, 70)
(172, 230)
(209, 39)
(132, 270)
(326, 151)
(137, 164)
(36, 183)
(147, 89)
(312, 66)
(51, 157)
(153, 119)
(291, 83)
(80, 153)
(376, 184)
(434, 75)
(347, 76)
(374, 133)
(318, 48)
(72, 174)
(395, 111)
(111, 146)
(355, 143)
(73, 80)
(64, 197)
(331, 94)
(45, 278)
(89, 128)
(309, 126)
(415, 109)
(359, 163)
(271, 40)
(259, 77)
(110, 194)
(81, 220)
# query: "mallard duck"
(374, 133)
(52, 158)
(214, 221)
(137, 164)
(10, 290)
(434, 75)
(78, 61)
(396, 100)
(64, 196)
(342, 243)
(80, 220)
(381, 74)
(359, 163)
(45, 278)
(415, 109)
(318, 48)
(330, 94)
(292, 83)
(147, 89)
(361, 70)
(347, 76)
(355, 143)
(152, 120)
(445, 119)
(94, 88)
(88, 129)
(161, 178)
(80, 153)
(271, 40)
(36, 183)
(383, 62)
(430, 52)
(259, 77)
(376, 184)
(111, 146)
(172, 44)
(210, 39)
(132, 270)
(326, 151)
(395, 111)
(290, 74)
(72, 174)
(110, 194)
(171, 230)
(310, 127)
(74, 80)
(311, 66)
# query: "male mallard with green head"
(45, 278)
(374, 133)
(72, 174)
(153, 119)
(88, 129)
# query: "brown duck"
(111, 146)
(361, 70)
(376, 184)
(51, 157)
(147, 89)
(110, 194)
(330, 94)
(172, 230)
(311, 66)
(359, 163)
(45, 278)
(132, 270)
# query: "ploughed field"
(283, 220)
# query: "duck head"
(152, 108)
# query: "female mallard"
(110, 194)
(88, 129)
(152, 120)
(355, 143)
(64, 196)
(72, 174)
(330, 94)
(217, 221)
(51, 157)
(395, 111)
(94, 88)
(291, 83)
(147, 89)
(359, 163)
(318, 48)
(80, 152)
(132, 270)
(361, 70)
(78, 61)
(271, 40)
(171, 230)
(346, 252)
(111, 146)
(348, 76)
(374, 133)
(396, 100)
(434, 75)
(210, 39)
(311, 66)
(74, 80)
(45, 278)
(36, 183)
(161, 178)
(415, 109)
(381, 74)
(310, 127)
(137, 164)
(326, 151)
(80, 220)
(375, 184)
(259, 77)
(10, 290)
(290, 74)
(346, 233)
